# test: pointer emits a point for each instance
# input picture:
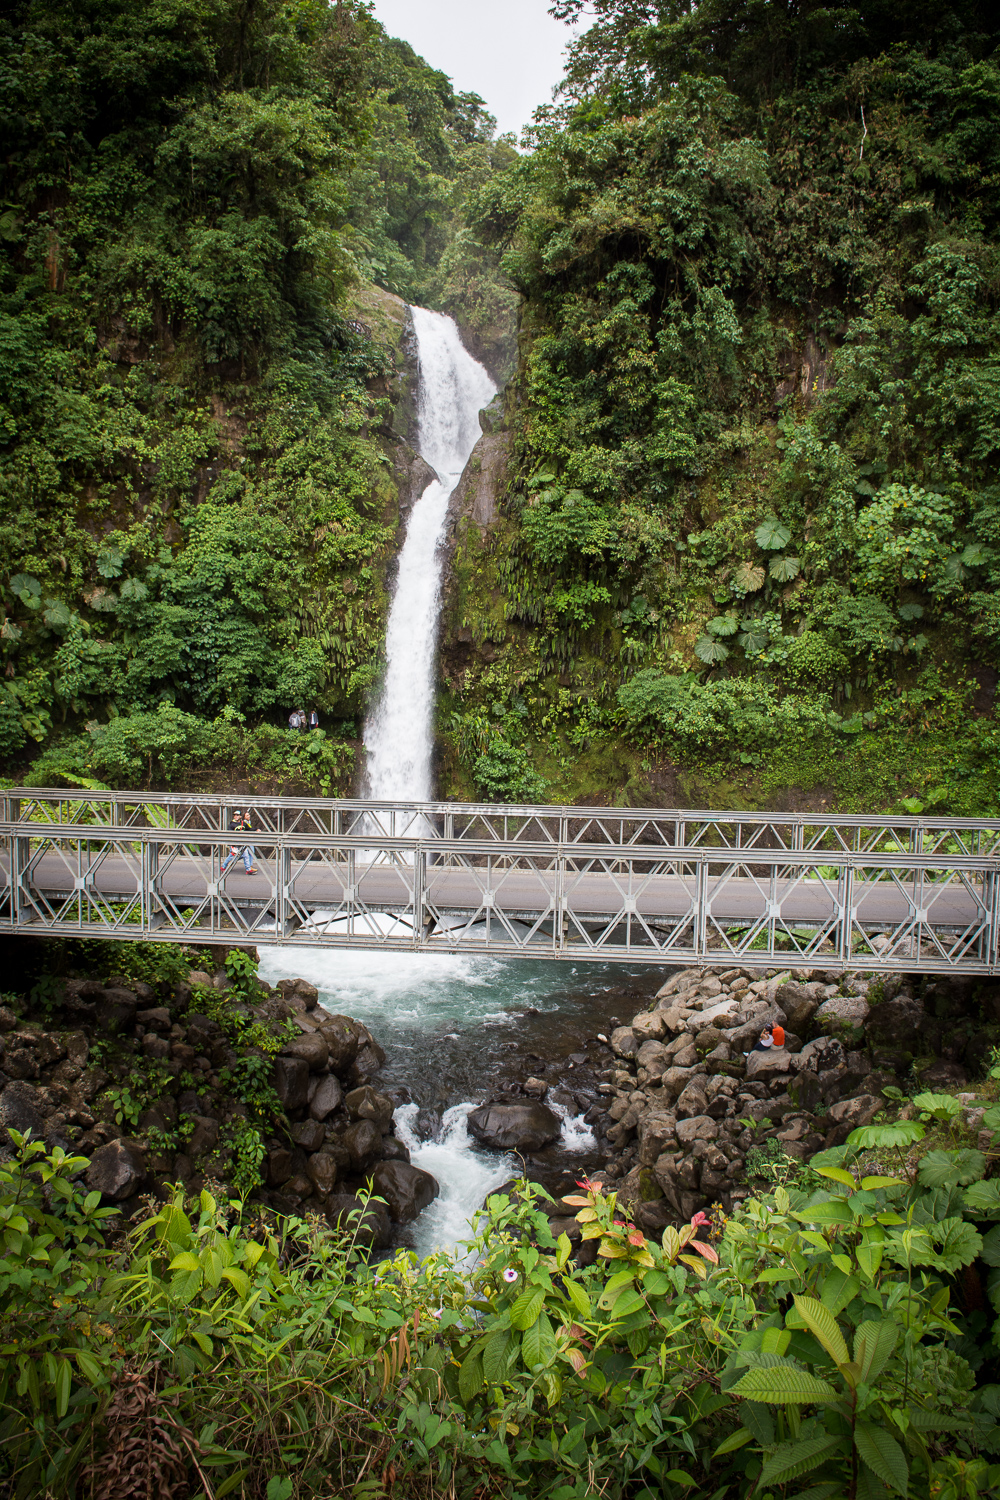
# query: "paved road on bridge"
(591, 896)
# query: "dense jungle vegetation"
(750, 552)
(196, 431)
(834, 1339)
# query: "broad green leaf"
(723, 625)
(823, 1326)
(737, 1439)
(942, 1106)
(772, 535)
(760, 1422)
(709, 650)
(536, 1342)
(841, 1286)
(883, 1455)
(63, 1385)
(525, 1309)
(958, 1244)
(579, 1298)
(837, 1175)
(891, 1137)
(793, 1459)
(984, 1198)
(495, 1356)
(470, 1377)
(784, 569)
(873, 1345)
(89, 1367)
(784, 1383)
(775, 1341)
(749, 577)
(872, 1184)
(185, 1261)
(628, 1303)
(777, 1273)
(991, 1247)
(941, 1168)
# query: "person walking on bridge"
(241, 823)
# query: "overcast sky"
(509, 51)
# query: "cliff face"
(746, 551)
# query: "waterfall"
(452, 388)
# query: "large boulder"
(365, 1104)
(624, 1042)
(648, 1027)
(299, 990)
(363, 1142)
(343, 1039)
(291, 1081)
(514, 1127)
(20, 1110)
(321, 1169)
(898, 1024)
(842, 1012)
(312, 1047)
(763, 1066)
(407, 1190)
(325, 1097)
(116, 1009)
(116, 1171)
(368, 1226)
(698, 1128)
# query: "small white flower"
(510, 1274)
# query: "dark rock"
(278, 1166)
(115, 1009)
(116, 1171)
(309, 1134)
(291, 1081)
(299, 989)
(155, 1047)
(8, 1020)
(406, 1189)
(624, 1042)
(699, 1128)
(368, 1226)
(183, 1167)
(20, 1111)
(765, 1066)
(312, 1047)
(855, 1112)
(369, 1061)
(363, 1142)
(517, 1127)
(428, 1123)
(21, 1063)
(897, 1023)
(341, 1036)
(365, 1104)
(153, 1119)
(205, 1136)
(321, 1169)
(326, 1095)
(393, 1149)
(943, 1075)
(157, 1019)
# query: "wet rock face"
(514, 1127)
(19, 1110)
(117, 1171)
(406, 1189)
(291, 1081)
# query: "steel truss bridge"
(613, 884)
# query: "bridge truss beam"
(612, 885)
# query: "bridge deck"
(613, 884)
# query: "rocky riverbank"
(682, 1102)
(192, 1083)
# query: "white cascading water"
(387, 988)
(452, 389)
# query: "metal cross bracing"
(612, 884)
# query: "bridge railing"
(619, 884)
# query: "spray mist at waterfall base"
(455, 1028)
